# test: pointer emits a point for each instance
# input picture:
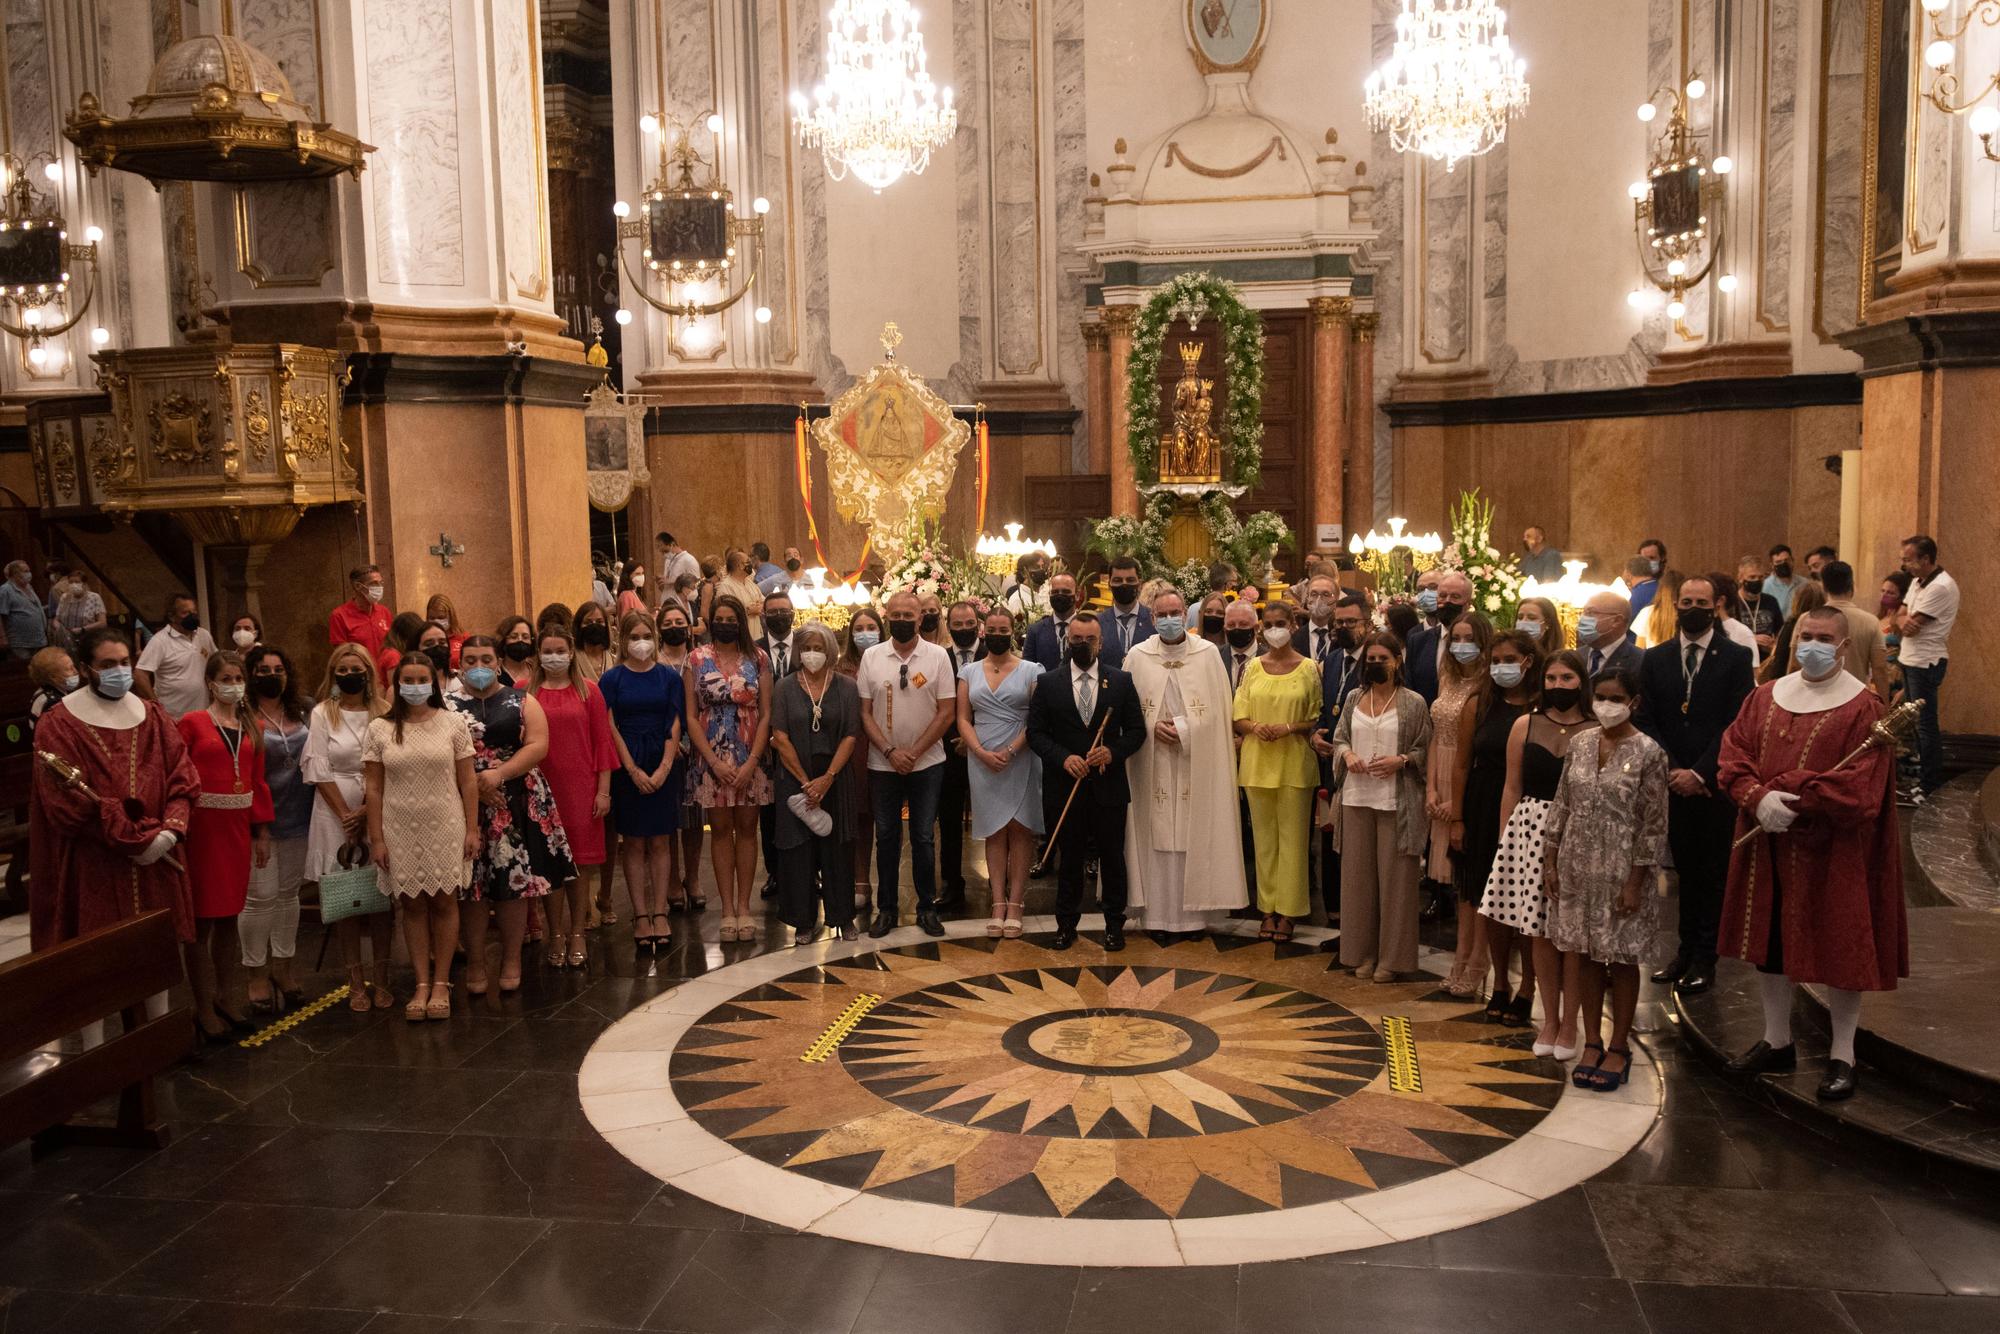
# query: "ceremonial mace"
(1893, 728)
(72, 778)
(1050, 850)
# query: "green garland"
(1198, 296)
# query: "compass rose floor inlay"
(1212, 1101)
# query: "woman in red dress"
(578, 768)
(227, 748)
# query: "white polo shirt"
(905, 702)
(177, 661)
(1937, 598)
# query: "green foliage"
(1198, 296)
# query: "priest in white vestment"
(1183, 841)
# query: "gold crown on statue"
(1191, 354)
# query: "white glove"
(1775, 813)
(163, 843)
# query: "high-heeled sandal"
(358, 999)
(440, 1002)
(578, 956)
(383, 997)
(998, 926)
(1607, 1081)
(417, 1010)
(1496, 1005)
(1269, 929)
(1284, 929)
(508, 988)
(1520, 1011)
(1585, 1074)
(1012, 930)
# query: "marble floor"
(361, 1173)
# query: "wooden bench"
(51, 994)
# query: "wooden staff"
(1050, 850)
(1893, 729)
(72, 777)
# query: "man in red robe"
(95, 860)
(1817, 895)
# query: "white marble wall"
(288, 32)
(1780, 77)
(1836, 168)
(414, 177)
(523, 169)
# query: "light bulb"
(714, 122)
(37, 356)
(763, 314)
(623, 317)
(1727, 282)
(1676, 309)
(1647, 111)
(100, 335)
(1985, 120)
(621, 209)
(649, 124)
(53, 171)
(1696, 90)
(32, 318)
(1676, 267)
(1935, 6)
(698, 338)
(1636, 299)
(1637, 189)
(1939, 53)
(760, 206)
(1724, 165)
(93, 233)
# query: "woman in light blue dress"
(1006, 777)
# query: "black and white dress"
(1514, 895)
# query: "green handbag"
(352, 891)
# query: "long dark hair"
(291, 702)
(399, 708)
(403, 631)
(1531, 671)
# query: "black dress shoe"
(952, 900)
(1065, 937)
(770, 890)
(885, 922)
(1672, 972)
(1114, 939)
(1162, 938)
(1839, 1083)
(1763, 1058)
(1695, 980)
(930, 923)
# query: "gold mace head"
(62, 768)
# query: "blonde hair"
(329, 693)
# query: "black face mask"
(350, 683)
(1448, 612)
(777, 627)
(1124, 594)
(515, 651)
(440, 657)
(999, 644)
(1753, 587)
(1562, 698)
(1375, 673)
(1783, 569)
(929, 623)
(966, 637)
(1211, 625)
(1082, 654)
(594, 635)
(725, 632)
(1696, 621)
(267, 686)
(1346, 637)
(902, 631)
(674, 635)
(1037, 577)
(1242, 636)
(189, 623)
(1062, 603)
(792, 565)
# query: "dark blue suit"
(1045, 643)
(1113, 652)
(1420, 661)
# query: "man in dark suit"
(1048, 638)
(1604, 637)
(1690, 690)
(962, 644)
(777, 646)
(1124, 622)
(1426, 646)
(1064, 714)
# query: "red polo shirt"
(366, 625)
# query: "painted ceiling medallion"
(1452, 83)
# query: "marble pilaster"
(1330, 433)
(1124, 484)
(1097, 412)
(1364, 486)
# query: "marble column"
(1124, 486)
(1360, 498)
(1097, 382)
(1329, 421)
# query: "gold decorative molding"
(257, 425)
(574, 145)
(1365, 325)
(1095, 335)
(1330, 312)
(183, 430)
(1277, 145)
(1118, 320)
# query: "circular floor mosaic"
(1210, 1101)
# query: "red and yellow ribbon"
(806, 495)
(985, 457)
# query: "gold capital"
(1095, 335)
(1365, 326)
(1118, 320)
(1330, 311)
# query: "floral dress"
(523, 851)
(1607, 818)
(729, 720)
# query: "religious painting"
(1228, 35)
(614, 436)
(690, 229)
(1674, 204)
(891, 448)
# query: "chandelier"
(877, 114)
(1944, 82)
(1677, 209)
(36, 302)
(1452, 83)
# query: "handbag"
(352, 891)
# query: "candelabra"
(36, 256)
(1395, 558)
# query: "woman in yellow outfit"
(1277, 707)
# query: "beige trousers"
(1378, 893)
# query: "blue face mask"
(479, 678)
(1817, 659)
(113, 682)
(1171, 628)
(1586, 629)
(1464, 650)
(71, 682)
(414, 694)
(1506, 675)
(1428, 600)
(867, 639)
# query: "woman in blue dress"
(648, 704)
(1006, 777)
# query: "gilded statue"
(1191, 451)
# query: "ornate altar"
(1190, 454)
(891, 449)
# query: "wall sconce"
(37, 259)
(1945, 85)
(1677, 208)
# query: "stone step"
(1954, 839)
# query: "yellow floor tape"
(295, 1018)
(836, 1033)
(1405, 1076)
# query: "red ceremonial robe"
(1840, 866)
(81, 874)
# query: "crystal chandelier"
(877, 114)
(1453, 82)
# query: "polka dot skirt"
(1514, 891)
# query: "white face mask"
(640, 648)
(1611, 716)
(230, 694)
(374, 592)
(638, 581)
(1277, 636)
(555, 662)
(812, 659)
(244, 638)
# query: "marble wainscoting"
(1836, 277)
(517, 108)
(413, 175)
